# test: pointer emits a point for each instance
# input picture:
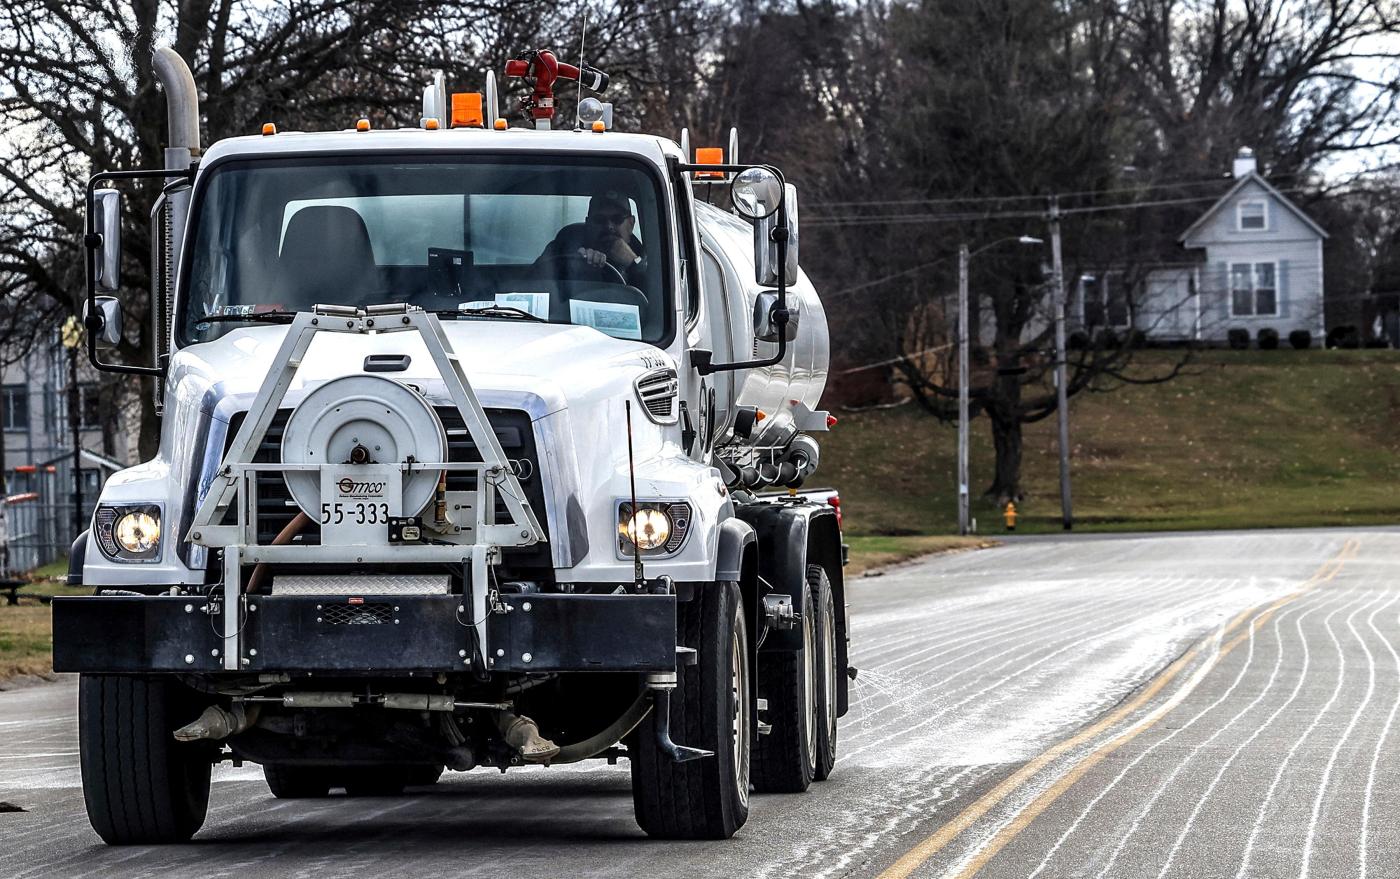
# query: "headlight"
(658, 528)
(128, 533)
(649, 528)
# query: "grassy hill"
(1248, 439)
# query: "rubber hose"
(292, 529)
(595, 745)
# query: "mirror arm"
(92, 243)
(779, 235)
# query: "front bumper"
(394, 635)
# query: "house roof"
(1240, 184)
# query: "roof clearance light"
(362, 125)
(269, 129)
(501, 125)
(466, 110)
(709, 156)
(599, 126)
(430, 124)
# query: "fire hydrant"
(1010, 516)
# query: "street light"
(965, 257)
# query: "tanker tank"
(774, 390)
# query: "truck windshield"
(558, 242)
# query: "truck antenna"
(578, 111)
(637, 574)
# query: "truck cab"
(462, 433)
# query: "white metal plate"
(357, 501)
(367, 585)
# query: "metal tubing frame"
(232, 483)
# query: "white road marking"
(1258, 826)
(1346, 734)
(1375, 757)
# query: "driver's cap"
(611, 202)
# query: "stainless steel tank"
(801, 376)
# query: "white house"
(1252, 260)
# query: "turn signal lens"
(649, 529)
(137, 533)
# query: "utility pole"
(72, 340)
(1061, 388)
(964, 511)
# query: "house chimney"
(1245, 163)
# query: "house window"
(1105, 300)
(1254, 289)
(1253, 216)
(89, 409)
(14, 407)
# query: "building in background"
(38, 460)
(1251, 261)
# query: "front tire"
(711, 708)
(141, 786)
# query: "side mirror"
(105, 324)
(765, 327)
(765, 249)
(107, 219)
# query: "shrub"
(1268, 339)
(1239, 338)
(1109, 340)
(1137, 339)
(1078, 341)
(1345, 336)
(1300, 339)
(1378, 342)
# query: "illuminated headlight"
(657, 528)
(128, 533)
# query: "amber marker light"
(501, 125)
(362, 125)
(599, 127)
(431, 125)
(269, 129)
(466, 110)
(709, 156)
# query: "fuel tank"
(800, 376)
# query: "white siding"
(1287, 242)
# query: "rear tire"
(828, 675)
(422, 776)
(375, 781)
(711, 708)
(291, 782)
(785, 759)
(141, 786)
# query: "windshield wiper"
(494, 311)
(263, 317)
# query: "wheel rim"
(739, 687)
(809, 688)
(828, 669)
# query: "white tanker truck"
(462, 432)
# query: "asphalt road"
(1188, 705)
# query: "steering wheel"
(577, 262)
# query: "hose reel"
(363, 419)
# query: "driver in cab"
(604, 239)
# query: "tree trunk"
(1006, 438)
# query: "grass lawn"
(26, 633)
(869, 551)
(1249, 439)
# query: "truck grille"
(513, 431)
(357, 614)
(658, 391)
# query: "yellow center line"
(939, 839)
